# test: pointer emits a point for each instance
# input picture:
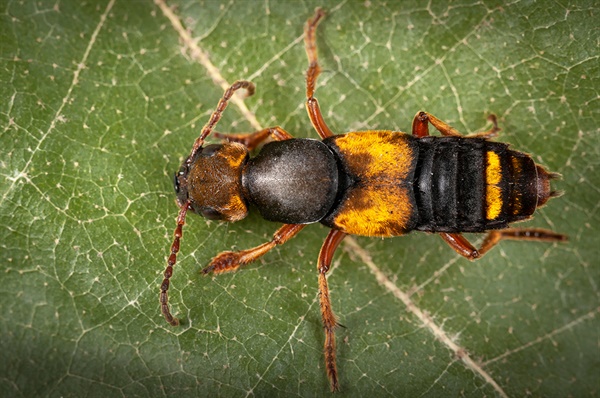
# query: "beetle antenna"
(216, 115)
(164, 287)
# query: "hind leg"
(463, 247)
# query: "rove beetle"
(372, 183)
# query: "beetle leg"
(252, 140)
(463, 247)
(420, 127)
(312, 105)
(329, 320)
(230, 261)
(491, 132)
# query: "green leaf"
(101, 102)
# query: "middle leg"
(312, 105)
(329, 320)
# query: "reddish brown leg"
(230, 261)
(312, 105)
(491, 132)
(463, 247)
(329, 320)
(420, 127)
(252, 140)
(164, 287)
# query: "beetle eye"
(210, 150)
(176, 183)
(211, 213)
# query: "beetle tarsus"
(223, 262)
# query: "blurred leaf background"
(101, 100)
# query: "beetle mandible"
(373, 183)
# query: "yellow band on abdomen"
(493, 193)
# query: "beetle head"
(211, 182)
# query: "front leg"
(230, 261)
(252, 140)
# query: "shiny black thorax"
(293, 181)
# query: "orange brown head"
(211, 182)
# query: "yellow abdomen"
(376, 198)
